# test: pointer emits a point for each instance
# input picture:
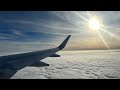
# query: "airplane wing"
(10, 64)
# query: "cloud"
(3, 38)
(55, 27)
(89, 64)
(17, 32)
(47, 26)
(67, 23)
(8, 47)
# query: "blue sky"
(35, 30)
(21, 31)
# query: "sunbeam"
(111, 34)
(80, 24)
(88, 13)
(104, 41)
(82, 17)
(95, 23)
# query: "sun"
(94, 23)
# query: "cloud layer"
(90, 64)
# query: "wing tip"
(64, 42)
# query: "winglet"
(64, 43)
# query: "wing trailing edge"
(55, 55)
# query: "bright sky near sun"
(94, 23)
(34, 30)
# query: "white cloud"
(17, 32)
(91, 64)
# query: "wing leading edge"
(10, 64)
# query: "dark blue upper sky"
(21, 31)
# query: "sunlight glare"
(94, 23)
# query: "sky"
(22, 31)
